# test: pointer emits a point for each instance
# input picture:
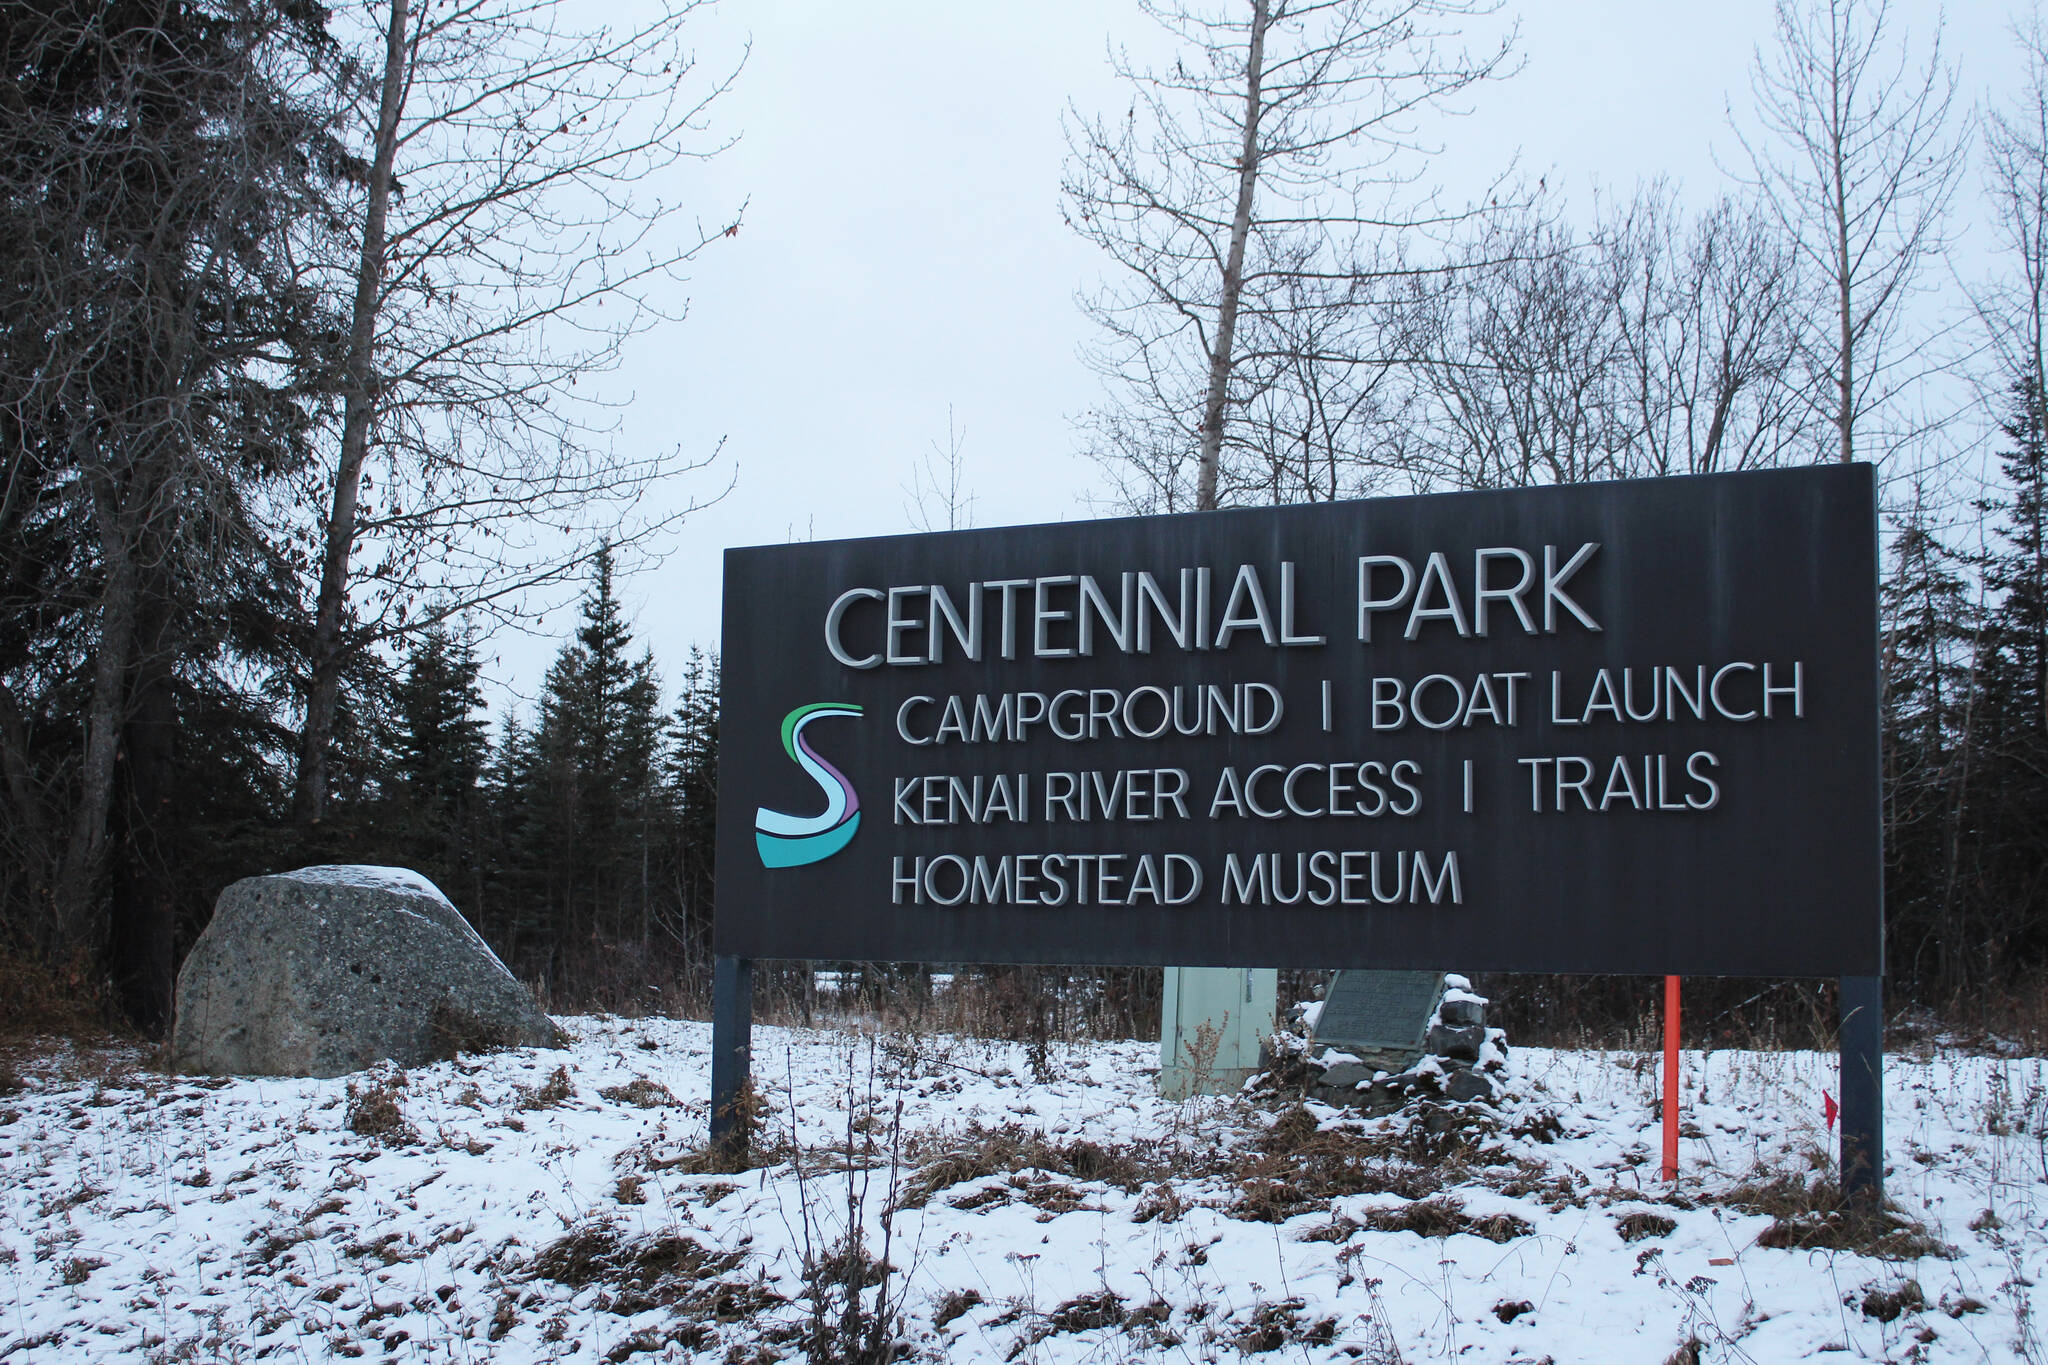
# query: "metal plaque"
(1368, 1011)
(1623, 727)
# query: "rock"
(1345, 1076)
(1460, 1042)
(328, 970)
(1466, 1086)
(1460, 1010)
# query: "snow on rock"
(527, 1207)
(367, 875)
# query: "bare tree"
(1652, 343)
(1709, 312)
(1517, 365)
(510, 238)
(1270, 159)
(940, 499)
(2014, 310)
(1858, 160)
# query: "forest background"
(302, 309)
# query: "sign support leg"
(1671, 1078)
(1862, 1043)
(732, 1045)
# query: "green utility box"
(1213, 1021)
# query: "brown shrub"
(376, 1113)
(650, 1271)
(551, 1092)
(641, 1093)
(955, 1304)
(1274, 1326)
(1886, 1305)
(1811, 1215)
(1634, 1227)
(1010, 1148)
(453, 1031)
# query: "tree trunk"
(1843, 268)
(358, 407)
(143, 908)
(80, 924)
(1233, 269)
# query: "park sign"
(1621, 727)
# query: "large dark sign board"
(1623, 727)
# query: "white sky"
(903, 250)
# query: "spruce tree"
(1930, 642)
(2008, 805)
(691, 777)
(592, 803)
(439, 751)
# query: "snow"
(145, 1217)
(372, 877)
(368, 876)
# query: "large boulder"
(328, 970)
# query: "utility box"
(1213, 1021)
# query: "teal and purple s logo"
(796, 840)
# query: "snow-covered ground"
(497, 1209)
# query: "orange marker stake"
(1671, 1078)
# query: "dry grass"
(1634, 1227)
(453, 1031)
(1886, 1305)
(376, 1112)
(1445, 1216)
(1276, 1326)
(641, 1093)
(1010, 1149)
(556, 1089)
(956, 1304)
(1813, 1214)
(65, 998)
(636, 1273)
(1298, 1167)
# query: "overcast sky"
(902, 250)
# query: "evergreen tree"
(2007, 807)
(440, 750)
(590, 802)
(691, 777)
(1930, 643)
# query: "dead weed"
(1010, 1148)
(556, 1089)
(376, 1113)
(641, 1093)
(656, 1270)
(1814, 1214)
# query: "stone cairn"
(1462, 1061)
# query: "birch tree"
(513, 230)
(2014, 309)
(1272, 159)
(1857, 155)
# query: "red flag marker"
(1829, 1108)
